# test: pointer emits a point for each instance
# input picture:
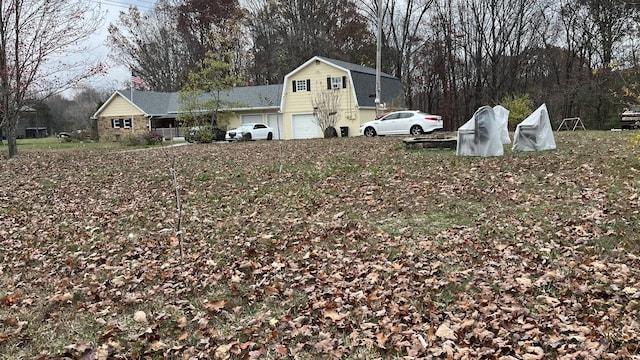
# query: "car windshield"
(244, 128)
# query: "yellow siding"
(119, 107)
(302, 102)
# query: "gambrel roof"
(363, 79)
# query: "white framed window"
(121, 123)
(336, 82)
(301, 85)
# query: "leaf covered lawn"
(343, 248)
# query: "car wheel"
(369, 132)
(416, 130)
(270, 136)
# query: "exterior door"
(304, 127)
(252, 118)
(276, 123)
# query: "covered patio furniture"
(535, 133)
(480, 136)
(502, 117)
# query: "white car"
(253, 131)
(407, 122)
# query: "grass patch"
(56, 144)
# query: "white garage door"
(254, 118)
(275, 121)
(304, 127)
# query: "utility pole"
(378, 101)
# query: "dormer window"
(301, 85)
(337, 82)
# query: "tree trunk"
(11, 141)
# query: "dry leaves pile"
(355, 249)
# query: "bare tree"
(326, 104)
(151, 45)
(164, 44)
(34, 37)
(331, 28)
(404, 33)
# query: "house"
(31, 124)
(321, 85)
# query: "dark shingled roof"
(364, 81)
(249, 97)
(150, 102)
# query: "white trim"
(287, 80)
(291, 122)
(106, 103)
(336, 82)
(301, 85)
(123, 123)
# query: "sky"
(98, 51)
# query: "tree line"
(577, 56)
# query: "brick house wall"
(107, 132)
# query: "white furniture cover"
(535, 133)
(480, 136)
(502, 117)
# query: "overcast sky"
(117, 74)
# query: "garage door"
(247, 119)
(304, 127)
(275, 121)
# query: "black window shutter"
(293, 85)
(344, 82)
(308, 85)
(328, 83)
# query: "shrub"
(204, 135)
(133, 140)
(148, 138)
(152, 138)
(519, 108)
